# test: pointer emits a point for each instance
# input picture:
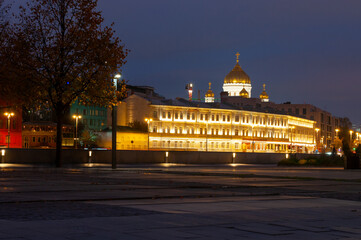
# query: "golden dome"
(237, 75)
(244, 93)
(209, 93)
(264, 95)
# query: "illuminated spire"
(209, 94)
(237, 55)
(264, 96)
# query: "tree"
(61, 52)
(88, 138)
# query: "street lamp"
(337, 130)
(76, 117)
(9, 115)
(114, 124)
(148, 120)
(351, 138)
(317, 130)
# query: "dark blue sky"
(306, 51)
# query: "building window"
(180, 131)
(155, 129)
(297, 111)
(188, 116)
(169, 115)
(181, 115)
(236, 132)
(228, 118)
(201, 118)
(217, 118)
(212, 117)
(84, 112)
(201, 131)
(155, 115)
(304, 111)
(224, 118)
(236, 118)
(163, 114)
(193, 116)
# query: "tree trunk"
(59, 138)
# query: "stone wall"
(72, 156)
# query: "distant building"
(196, 126)
(92, 117)
(43, 135)
(127, 139)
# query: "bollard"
(166, 157)
(3, 156)
(90, 157)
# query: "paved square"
(180, 202)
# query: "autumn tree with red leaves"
(61, 52)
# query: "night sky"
(305, 51)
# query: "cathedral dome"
(237, 75)
(209, 93)
(244, 93)
(264, 95)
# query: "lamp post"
(9, 116)
(114, 124)
(317, 130)
(351, 132)
(148, 120)
(337, 130)
(76, 117)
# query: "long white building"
(197, 126)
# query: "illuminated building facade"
(196, 126)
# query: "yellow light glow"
(11, 114)
(3, 152)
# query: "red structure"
(14, 127)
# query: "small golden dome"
(244, 93)
(237, 75)
(264, 95)
(209, 93)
